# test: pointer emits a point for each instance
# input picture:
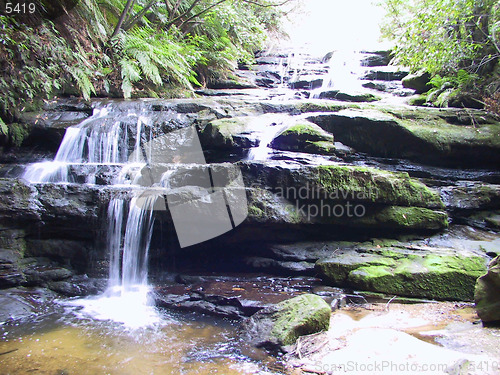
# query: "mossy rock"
(405, 218)
(343, 196)
(383, 187)
(418, 82)
(322, 106)
(448, 137)
(349, 97)
(487, 294)
(227, 134)
(418, 100)
(282, 324)
(392, 271)
(304, 137)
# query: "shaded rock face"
(438, 276)
(49, 232)
(282, 324)
(376, 59)
(487, 294)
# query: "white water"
(127, 299)
(99, 140)
(344, 70)
(267, 128)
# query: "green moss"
(412, 217)
(221, 132)
(436, 276)
(305, 137)
(256, 212)
(322, 106)
(381, 186)
(299, 316)
(320, 148)
(418, 100)
(444, 136)
(309, 131)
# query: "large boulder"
(343, 196)
(487, 295)
(440, 276)
(282, 324)
(236, 134)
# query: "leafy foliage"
(443, 35)
(140, 47)
(456, 41)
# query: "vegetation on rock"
(283, 323)
(392, 271)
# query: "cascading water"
(100, 140)
(127, 298)
(112, 139)
(267, 128)
(344, 70)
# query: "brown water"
(73, 345)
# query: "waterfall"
(344, 70)
(136, 242)
(112, 137)
(127, 299)
(116, 209)
(102, 139)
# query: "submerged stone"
(282, 324)
(487, 294)
(437, 276)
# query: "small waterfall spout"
(267, 129)
(127, 298)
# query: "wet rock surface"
(230, 296)
(17, 304)
(486, 294)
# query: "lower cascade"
(127, 299)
